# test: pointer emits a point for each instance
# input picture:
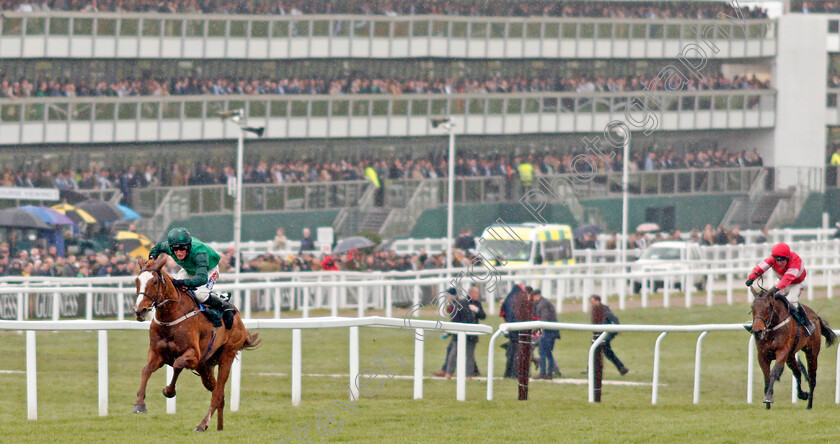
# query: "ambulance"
(522, 245)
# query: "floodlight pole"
(450, 200)
(625, 181)
(237, 208)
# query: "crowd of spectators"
(815, 7)
(80, 87)
(549, 160)
(503, 8)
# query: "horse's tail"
(252, 341)
(827, 332)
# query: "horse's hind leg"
(207, 377)
(797, 373)
(811, 356)
(217, 399)
(154, 363)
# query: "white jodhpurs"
(203, 292)
(791, 293)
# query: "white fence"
(419, 326)
(663, 330)
(296, 325)
(60, 298)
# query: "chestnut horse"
(779, 337)
(180, 336)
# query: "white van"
(670, 256)
(521, 245)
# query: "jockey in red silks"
(791, 273)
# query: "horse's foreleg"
(764, 363)
(793, 364)
(154, 362)
(187, 360)
(781, 357)
(169, 390)
(207, 378)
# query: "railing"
(172, 118)
(214, 199)
(419, 326)
(26, 297)
(663, 330)
(57, 34)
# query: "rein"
(155, 304)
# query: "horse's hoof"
(198, 429)
(803, 396)
(768, 399)
(167, 394)
(767, 405)
(139, 409)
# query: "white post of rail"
(389, 309)
(361, 298)
(750, 368)
(655, 392)
(698, 356)
(56, 303)
(828, 283)
(103, 372)
(415, 300)
(491, 299)
(304, 293)
(32, 376)
(688, 288)
(89, 304)
(277, 301)
(296, 366)
(236, 382)
(591, 369)
(461, 378)
(491, 354)
(334, 296)
(120, 303)
(247, 303)
(729, 276)
(419, 340)
(20, 308)
(354, 361)
(837, 379)
(666, 295)
(645, 282)
(170, 402)
(710, 296)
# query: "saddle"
(213, 315)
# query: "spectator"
(280, 240)
(306, 244)
(544, 311)
(601, 314)
(465, 241)
(736, 237)
(464, 311)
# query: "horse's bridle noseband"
(158, 289)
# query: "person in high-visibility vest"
(835, 158)
(373, 175)
(526, 173)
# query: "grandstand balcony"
(191, 118)
(205, 36)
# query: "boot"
(803, 320)
(227, 309)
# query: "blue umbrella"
(48, 215)
(128, 213)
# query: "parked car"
(671, 256)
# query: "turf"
(68, 409)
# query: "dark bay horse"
(779, 337)
(182, 337)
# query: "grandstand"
(122, 96)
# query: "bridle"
(773, 315)
(161, 283)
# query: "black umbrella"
(15, 217)
(584, 229)
(352, 243)
(101, 210)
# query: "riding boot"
(803, 320)
(227, 309)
